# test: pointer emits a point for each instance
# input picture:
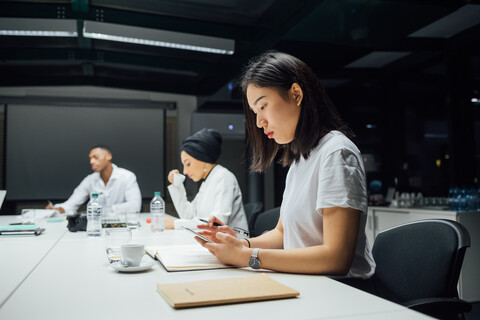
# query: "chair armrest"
(439, 306)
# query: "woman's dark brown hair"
(318, 115)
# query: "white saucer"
(146, 264)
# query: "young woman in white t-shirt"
(321, 229)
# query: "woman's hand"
(210, 230)
(171, 174)
(228, 249)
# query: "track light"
(159, 38)
(38, 27)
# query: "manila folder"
(224, 291)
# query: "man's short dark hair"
(102, 146)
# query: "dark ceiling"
(331, 36)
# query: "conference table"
(65, 275)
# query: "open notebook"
(185, 257)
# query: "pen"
(237, 230)
(215, 224)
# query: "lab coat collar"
(210, 173)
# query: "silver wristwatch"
(254, 263)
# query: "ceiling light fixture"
(38, 27)
(448, 26)
(159, 38)
(377, 59)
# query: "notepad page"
(185, 257)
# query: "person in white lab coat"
(117, 187)
(219, 195)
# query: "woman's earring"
(204, 169)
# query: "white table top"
(21, 254)
(74, 280)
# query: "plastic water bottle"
(94, 216)
(157, 209)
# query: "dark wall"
(47, 147)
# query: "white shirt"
(121, 193)
(219, 196)
(332, 176)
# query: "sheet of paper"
(44, 213)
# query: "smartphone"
(197, 234)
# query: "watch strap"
(254, 263)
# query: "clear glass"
(133, 219)
(114, 239)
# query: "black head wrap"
(205, 145)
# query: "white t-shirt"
(332, 176)
(219, 196)
(120, 194)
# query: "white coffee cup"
(178, 179)
(132, 254)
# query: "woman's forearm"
(311, 260)
(272, 239)
(333, 257)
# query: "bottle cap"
(94, 195)
(149, 220)
(156, 193)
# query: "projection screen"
(47, 147)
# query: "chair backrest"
(420, 259)
(251, 211)
(265, 221)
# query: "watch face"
(254, 263)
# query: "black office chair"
(251, 211)
(418, 265)
(265, 221)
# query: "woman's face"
(277, 117)
(192, 167)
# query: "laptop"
(3, 193)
